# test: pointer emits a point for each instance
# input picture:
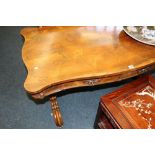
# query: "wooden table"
(60, 58)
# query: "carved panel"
(144, 107)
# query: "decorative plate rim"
(132, 36)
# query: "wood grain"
(59, 58)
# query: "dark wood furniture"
(129, 107)
(61, 58)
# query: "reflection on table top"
(58, 54)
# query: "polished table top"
(57, 55)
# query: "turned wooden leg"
(56, 111)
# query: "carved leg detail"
(56, 111)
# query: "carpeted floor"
(17, 110)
